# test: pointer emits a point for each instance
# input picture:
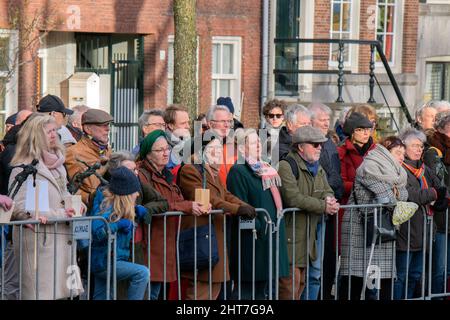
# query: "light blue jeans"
(439, 278)
(315, 267)
(138, 276)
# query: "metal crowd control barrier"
(434, 256)
(226, 249)
(427, 274)
(80, 230)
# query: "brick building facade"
(231, 29)
(217, 21)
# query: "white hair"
(213, 109)
(317, 107)
(292, 111)
(410, 133)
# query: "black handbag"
(187, 249)
(385, 228)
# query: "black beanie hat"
(123, 182)
(356, 120)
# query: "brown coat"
(172, 193)
(87, 151)
(220, 198)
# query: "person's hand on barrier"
(125, 225)
(140, 211)
(197, 209)
(441, 193)
(5, 202)
(70, 212)
(331, 209)
(247, 211)
(42, 220)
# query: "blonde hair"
(122, 206)
(366, 110)
(32, 139)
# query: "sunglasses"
(274, 115)
(315, 144)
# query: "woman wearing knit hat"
(119, 209)
(353, 150)
(154, 175)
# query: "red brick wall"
(367, 30)
(154, 18)
(322, 30)
(410, 29)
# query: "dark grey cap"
(308, 134)
(51, 103)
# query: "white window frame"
(11, 94)
(397, 45)
(354, 17)
(235, 86)
(170, 57)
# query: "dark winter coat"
(247, 186)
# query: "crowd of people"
(297, 161)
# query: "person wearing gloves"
(154, 175)
(120, 210)
(305, 186)
(191, 178)
(424, 188)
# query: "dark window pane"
(288, 13)
(286, 58)
(4, 53)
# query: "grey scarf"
(381, 165)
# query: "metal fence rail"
(432, 270)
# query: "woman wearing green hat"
(153, 174)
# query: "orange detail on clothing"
(228, 162)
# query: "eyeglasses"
(224, 122)
(417, 146)
(365, 130)
(274, 115)
(158, 124)
(315, 144)
(163, 150)
(63, 114)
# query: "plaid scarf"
(419, 173)
(270, 180)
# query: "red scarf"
(419, 173)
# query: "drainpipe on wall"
(265, 57)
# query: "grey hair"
(317, 107)
(429, 104)
(142, 121)
(292, 111)
(442, 119)
(118, 157)
(411, 133)
(439, 105)
(77, 112)
(213, 109)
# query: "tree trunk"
(185, 55)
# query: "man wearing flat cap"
(93, 147)
(304, 186)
